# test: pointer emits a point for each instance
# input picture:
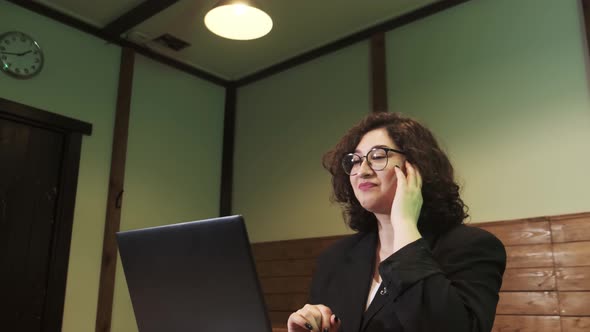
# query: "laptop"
(193, 276)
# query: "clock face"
(20, 55)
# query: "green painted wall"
(284, 124)
(504, 86)
(173, 171)
(79, 80)
(174, 153)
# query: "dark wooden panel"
(289, 268)
(571, 228)
(525, 231)
(285, 302)
(285, 285)
(535, 255)
(573, 278)
(280, 329)
(517, 323)
(574, 303)
(292, 249)
(572, 254)
(106, 285)
(227, 155)
(279, 318)
(528, 303)
(532, 279)
(575, 324)
(135, 16)
(34, 116)
(378, 73)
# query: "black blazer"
(448, 282)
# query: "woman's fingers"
(326, 315)
(335, 323)
(317, 318)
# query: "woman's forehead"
(375, 138)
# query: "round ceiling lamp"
(238, 19)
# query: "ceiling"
(299, 26)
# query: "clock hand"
(17, 54)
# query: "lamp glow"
(238, 20)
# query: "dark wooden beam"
(106, 285)
(99, 33)
(378, 73)
(41, 118)
(351, 39)
(227, 162)
(137, 15)
(586, 12)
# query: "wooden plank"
(285, 302)
(279, 318)
(287, 268)
(526, 231)
(378, 73)
(509, 323)
(534, 255)
(137, 15)
(292, 249)
(528, 303)
(227, 156)
(106, 285)
(276, 285)
(573, 278)
(531, 279)
(572, 254)
(571, 228)
(575, 324)
(574, 303)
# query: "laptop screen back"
(194, 276)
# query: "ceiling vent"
(171, 42)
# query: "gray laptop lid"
(194, 276)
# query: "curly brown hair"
(442, 205)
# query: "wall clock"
(20, 55)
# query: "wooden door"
(31, 159)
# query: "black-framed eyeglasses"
(376, 158)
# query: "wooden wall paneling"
(289, 268)
(279, 318)
(527, 256)
(528, 303)
(572, 254)
(574, 303)
(570, 228)
(531, 279)
(524, 231)
(285, 302)
(106, 287)
(575, 324)
(519, 323)
(573, 278)
(276, 285)
(292, 249)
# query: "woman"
(412, 265)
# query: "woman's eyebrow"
(375, 146)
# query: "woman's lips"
(366, 186)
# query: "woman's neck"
(386, 233)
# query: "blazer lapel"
(356, 272)
(381, 298)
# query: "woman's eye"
(377, 157)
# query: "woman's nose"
(365, 169)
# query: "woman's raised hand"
(405, 209)
(317, 318)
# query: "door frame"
(72, 130)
